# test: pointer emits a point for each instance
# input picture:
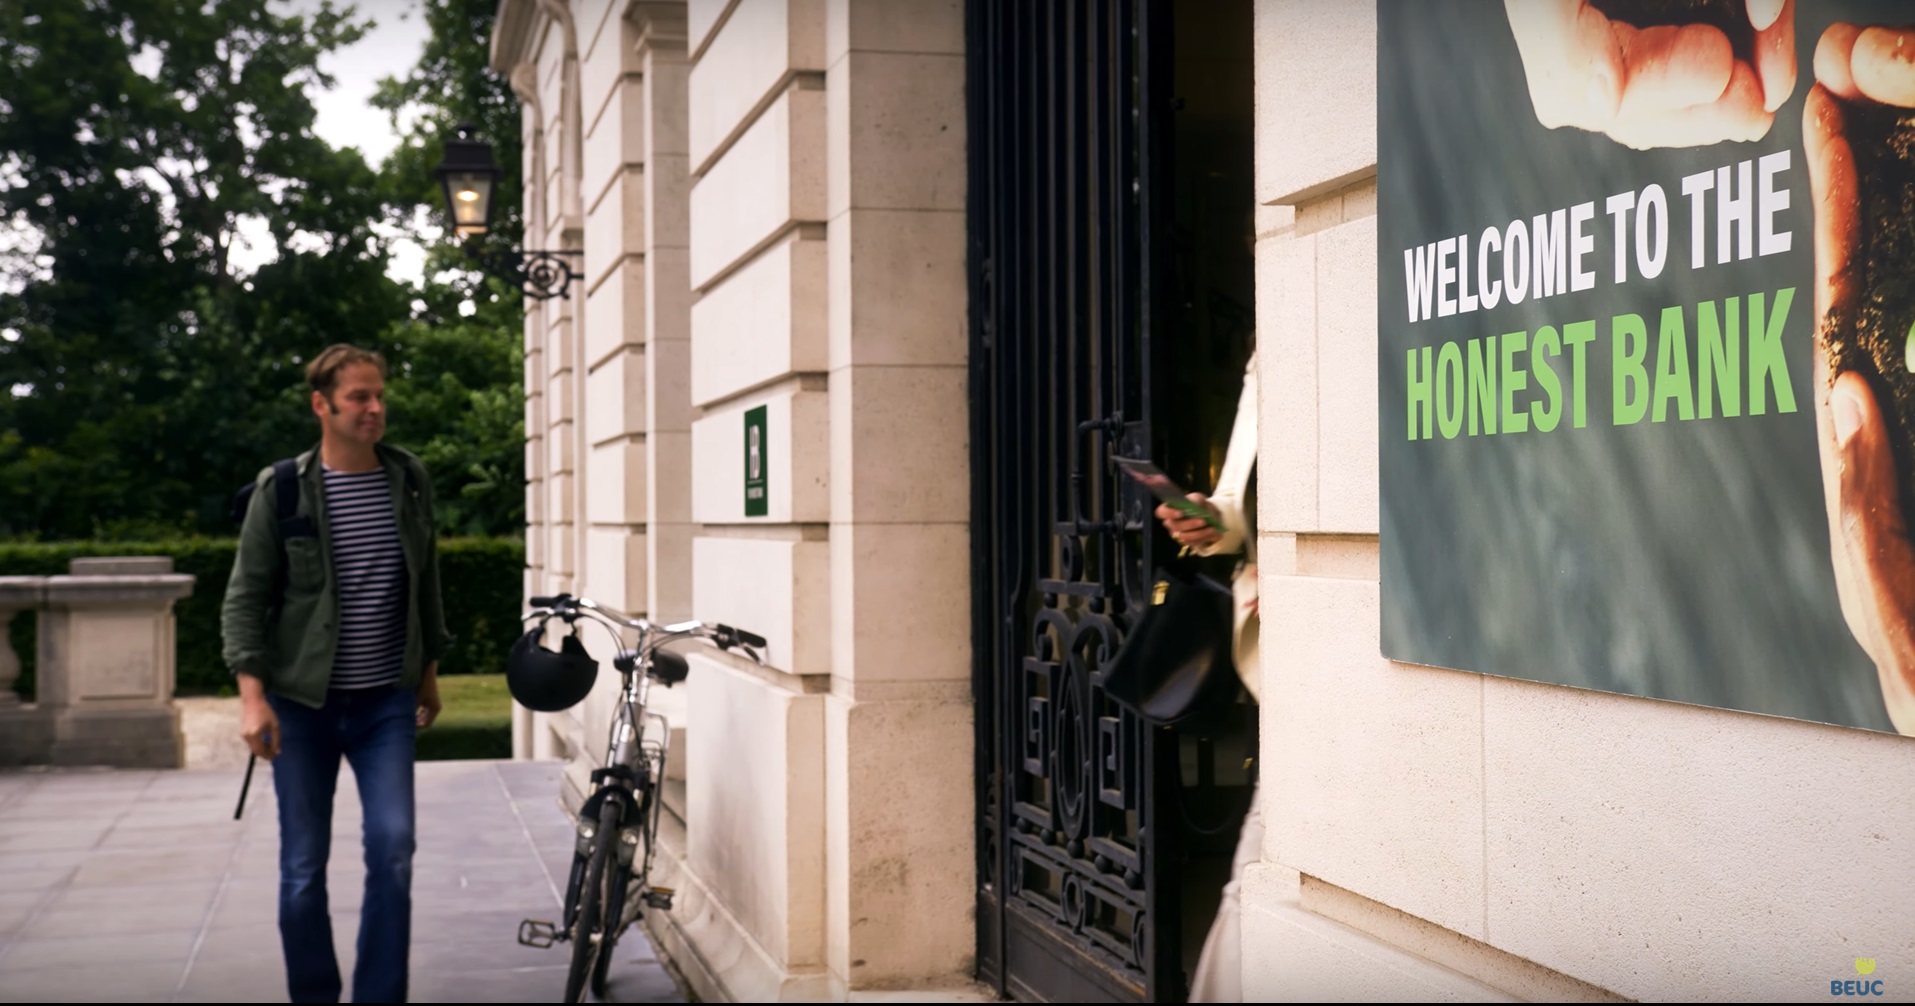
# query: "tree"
(453, 83)
(463, 349)
(142, 375)
(450, 405)
(143, 370)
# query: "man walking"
(334, 627)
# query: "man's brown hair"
(323, 372)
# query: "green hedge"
(476, 721)
(483, 579)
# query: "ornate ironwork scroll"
(542, 275)
(1065, 99)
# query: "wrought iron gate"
(1067, 128)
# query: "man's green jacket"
(288, 640)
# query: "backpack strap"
(292, 523)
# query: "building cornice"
(659, 23)
(512, 35)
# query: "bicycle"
(618, 822)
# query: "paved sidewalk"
(138, 886)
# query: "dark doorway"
(1112, 285)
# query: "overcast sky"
(346, 117)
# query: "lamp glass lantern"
(469, 175)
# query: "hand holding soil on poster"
(1657, 73)
(1858, 132)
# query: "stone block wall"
(769, 195)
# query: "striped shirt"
(370, 567)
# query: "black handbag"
(1175, 667)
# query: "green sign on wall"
(755, 498)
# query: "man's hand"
(1664, 86)
(1191, 532)
(258, 724)
(1868, 537)
(429, 705)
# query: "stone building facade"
(771, 199)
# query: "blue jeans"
(374, 729)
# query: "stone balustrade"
(25, 732)
(104, 666)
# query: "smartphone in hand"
(1172, 494)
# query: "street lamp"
(470, 176)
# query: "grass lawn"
(476, 721)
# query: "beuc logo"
(1864, 966)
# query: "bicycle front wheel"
(620, 884)
(590, 927)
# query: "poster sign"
(756, 500)
(1646, 311)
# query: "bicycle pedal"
(660, 898)
(537, 933)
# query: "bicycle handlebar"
(748, 638)
(723, 636)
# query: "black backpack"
(286, 494)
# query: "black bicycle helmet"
(549, 682)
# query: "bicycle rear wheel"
(590, 926)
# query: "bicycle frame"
(642, 753)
